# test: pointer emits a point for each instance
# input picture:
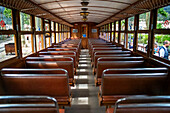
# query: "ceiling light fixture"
(84, 9)
(84, 19)
(84, 13)
(84, 3)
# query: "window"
(47, 42)
(117, 25)
(39, 42)
(130, 41)
(57, 38)
(26, 42)
(7, 47)
(53, 38)
(163, 18)
(112, 36)
(47, 27)
(56, 26)
(52, 26)
(122, 38)
(25, 22)
(131, 23)
(38, 24)
(144, 20)
(112, 26)
(160, 39)
(143, 42)
(109, 27)
(59, 27)
(122, 25)
(5, 18)
(116, 37)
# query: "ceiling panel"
(98, 9)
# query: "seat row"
(121, 73)
(49, 72)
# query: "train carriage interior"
(84, 56)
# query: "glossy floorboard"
(85, 94)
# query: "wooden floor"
(85, 94)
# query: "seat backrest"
(143, 104)
(49, 59)
(102, 65)
(28, 104)
(113, 53)
(60, 54)
(35, 82)
(134, 82)
(105, 49)
(67, 65)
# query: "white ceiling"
(99, 10)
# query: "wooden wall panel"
(90, 26)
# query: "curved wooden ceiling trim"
(89, 1)
(86, 7)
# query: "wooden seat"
(123, 82)
(142, 104)
(55, 63)
(120, 62)
(39, 82)
(29, 104)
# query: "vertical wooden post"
(50, 40)
(16, 27)
(55, 32)
(126, 33)
(152, 26)
(110, 32)
(43, 36)
(119, 29)
(135, 42)
(114, 35)
(33, 36)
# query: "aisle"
(85, 94)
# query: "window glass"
(39, 42)
(47, 27)
(52, 37)
(56, 26)
(47, 42)
(38, 24)
(163, 19)
(122, 38)
(57, 38)
(143, 42)
(130, 41)
(26, 42)
(68, 34)
(25, 22)
(109, 27)
(112, 26)
(117, 26)
(106, 27)
(112, 36)
(122, 25)
(7, 47)
(144, 20)
(5, 18)
(59, 27)
(116, 37)
(160, 41)
(131, 23)
(52, 26)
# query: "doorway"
(84, 29)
